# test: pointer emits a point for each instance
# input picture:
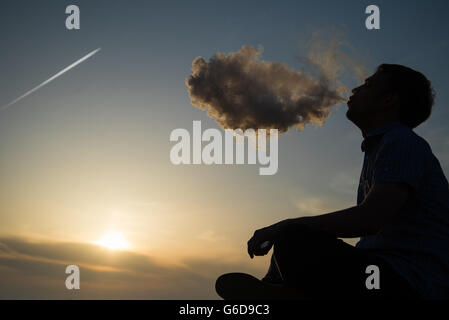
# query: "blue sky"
(86, 148)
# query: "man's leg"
(242, 286)
(319, 265)
(296, 244)
(309, 263)
(297, 253)
(305, 259)
(273, 276)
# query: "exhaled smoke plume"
(242, 91)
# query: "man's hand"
(269, 234)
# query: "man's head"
(393, 92)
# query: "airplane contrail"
(51, 79)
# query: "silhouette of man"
(401, 216)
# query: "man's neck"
(373, 126)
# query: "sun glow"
(113, 241)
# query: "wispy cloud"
(37, 270)
(312, 206)
(210, 236)
(308, 203)
(344, 183)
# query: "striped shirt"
(416, 242)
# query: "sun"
(113, 241)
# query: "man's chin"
(350, 103)
(349, 115)
(354, 118)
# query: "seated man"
(401, 217)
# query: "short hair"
(415, 91)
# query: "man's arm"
(381, 205)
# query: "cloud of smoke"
(240, 90)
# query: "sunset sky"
(85, 172)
